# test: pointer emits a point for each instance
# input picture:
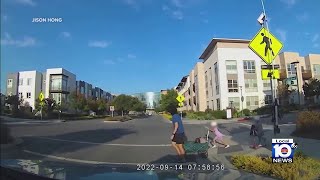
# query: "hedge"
(302, 168)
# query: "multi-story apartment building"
(232, 73)
(59, 83)
(304, 68)
(26, 84)
(193, 89)
(56, 83)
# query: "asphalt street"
(144, 140)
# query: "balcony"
(283, 74)
(306, 74)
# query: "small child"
(219, 136)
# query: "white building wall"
(238, 54)
(34, 87)
(71, 86)
(209, 67)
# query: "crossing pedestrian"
(218, 136)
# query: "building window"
(20, 81)
(252, 102)
(210, 76)
(208, 105)
(212, 103)
(189, 102)
(231, 66)
(233, 85)
(194, 101)
(29, 80)
(218, 104)
(20, 95)
(249, 67)
(28, 94)
(206, 79)
(9, 83)
(268, 99)
(207, 93)
(266, 85)
(251, 85)
(234, 102)
(217, 89)
(82, 90)
(316, 69)
(291, 68)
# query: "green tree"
(284, 93)
(312, 89)
(137, 105)
(122, 103)
(14, 101)
(168, 101)
(102, 105)
(77, 101)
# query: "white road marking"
(78, 160)
(107, 144)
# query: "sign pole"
(273, 92)
(41, 112)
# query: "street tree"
(168, 101)
(14, 101)
(137, 105)
(312, 89)
(77, 101)
(284, 93)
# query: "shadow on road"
(63, 143)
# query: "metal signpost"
(112, 110)
(267, 47)
(41, 98)
(180, 98)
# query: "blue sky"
(128, 46)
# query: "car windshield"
(150, 89)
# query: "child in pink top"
(219, 136)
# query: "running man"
(178, 135)
(268, 44)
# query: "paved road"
(137, 141)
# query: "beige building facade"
(230, 76)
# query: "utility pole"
(242, 99)
(273, 93)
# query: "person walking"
(218, 136)
(260, 132)
(178, 134)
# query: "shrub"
(5, 134)
(219, 114)
(308, 121)
(264, 110)
(302, 168)
(246, 112)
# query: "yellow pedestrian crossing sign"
(265, 45)
(180, 98)
(265, 73)
(41, 96)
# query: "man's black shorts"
(179, 138)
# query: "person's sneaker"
(213, 146)
(226, 146)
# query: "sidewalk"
(240, 142)
(13, 121)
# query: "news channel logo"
(283, 150)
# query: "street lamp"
(242, 99)
(296, 68)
